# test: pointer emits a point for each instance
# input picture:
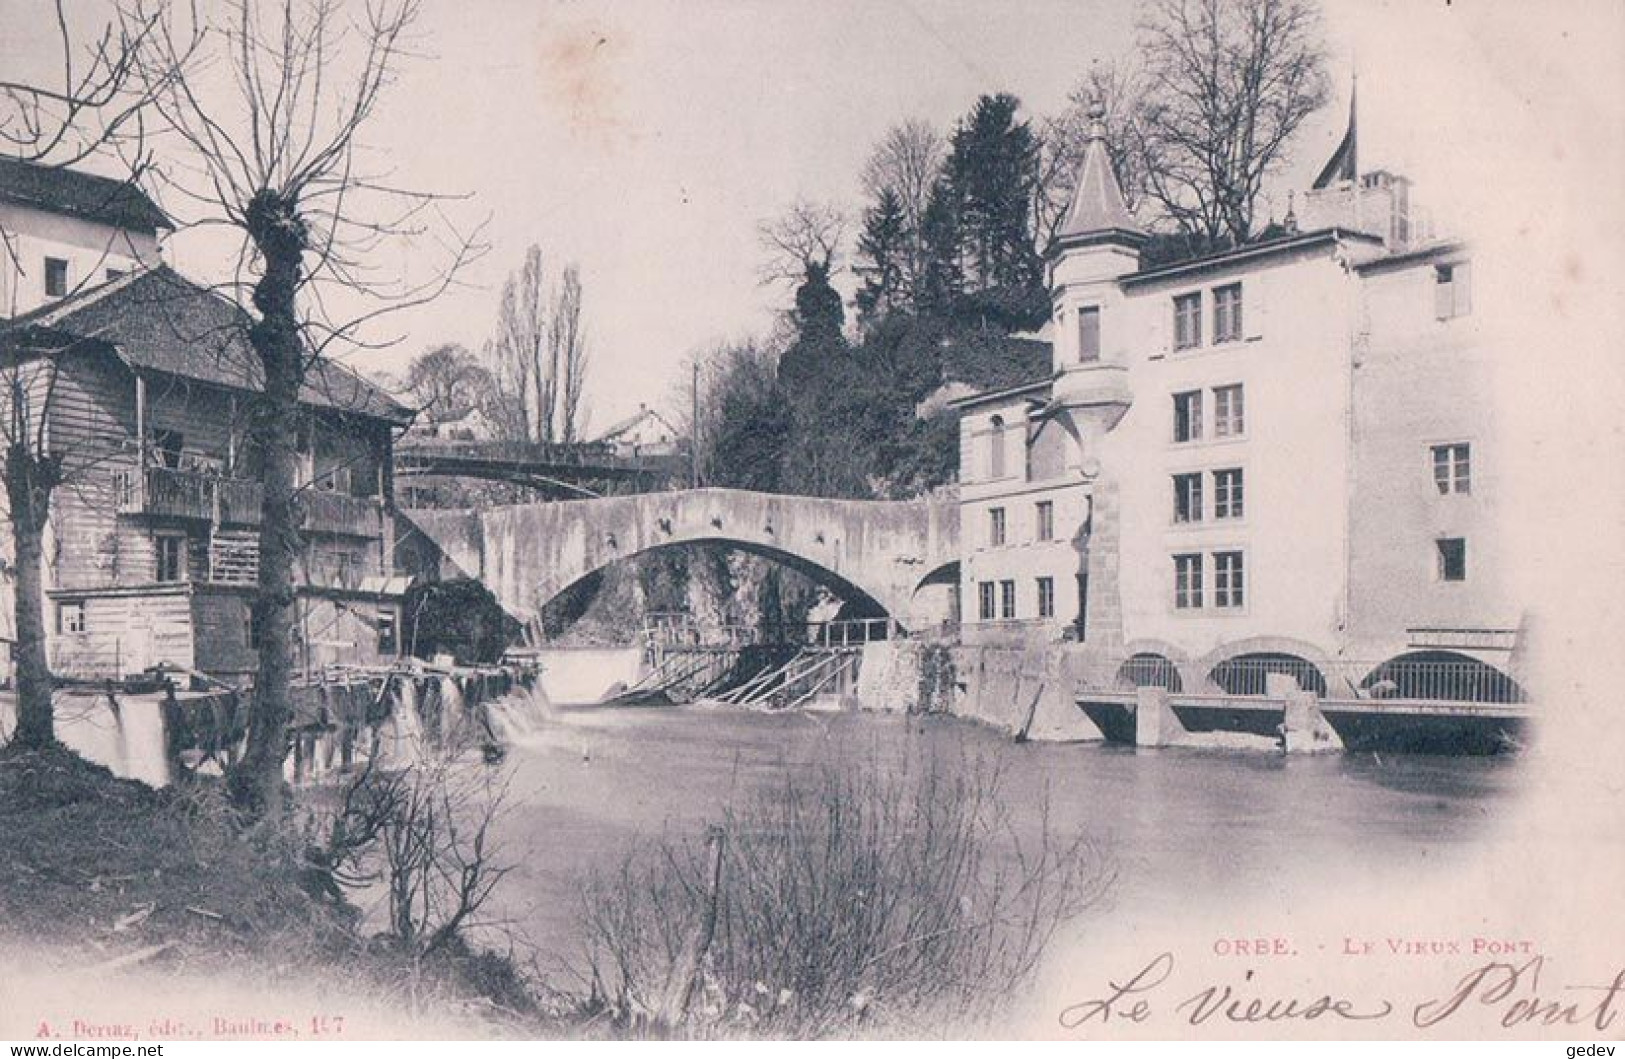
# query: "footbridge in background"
(895, 559)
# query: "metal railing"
(1464, 680)
(680, 630)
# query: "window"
(171, 557)
(995, 448)
(1188, 416)
(995, 527)
(1452, 290)
(1453, 468)
(56, 277)
(1188, 321)
(1045, 510)
(1089, 334)
(1229, 580)
(984, 600)
(1452, 558)
(388, 644)
(70, 617)
(1227, 493)
(1229, 412)
(338, 480)
(1007, 600)
(115, 273)
(1227, 313)
(1188, 497)
(1046, 597)
(164, 446)
(1187, 582)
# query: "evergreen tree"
(992, 174)
(818, 348)
(942, 280)
(884, 248)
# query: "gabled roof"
(79, 194)
(1098, 211)
(642, 415)
(158, 320)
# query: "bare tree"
(568, 338)
(96, 107)
(447, 380)
(1115, 85)
(539, 354)
(270, 120)
(907, 163)
(1227, 84)
(520, 350)
(805, 238)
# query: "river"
(1178, 825)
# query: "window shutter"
(1252, 310)
(1462, 279)
(1162, 328)
(1442, 295)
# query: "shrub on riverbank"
(840, 901)
(103, 872)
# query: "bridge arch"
(856, 601)
(527, 554)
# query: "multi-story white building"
(1279, 452)
(62, 230)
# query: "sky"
(646, 139)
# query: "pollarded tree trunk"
(281, 237)
(30, 479)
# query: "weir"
(394, 716)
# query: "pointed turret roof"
(1098, 212)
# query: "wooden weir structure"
(776, 666)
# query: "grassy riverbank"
(106, 876)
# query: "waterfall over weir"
(519, 715)
(124, 733)
(401, 715)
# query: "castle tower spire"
(1098, 212)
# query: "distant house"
(472, 424)
(646, 433)
(145, 384)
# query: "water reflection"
(1183, 825)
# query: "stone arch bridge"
(885, 557)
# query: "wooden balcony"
(167, 492)
(171, 493)
(355, 516)
(239, 502)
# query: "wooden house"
(146, 385)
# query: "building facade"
(1279, 452)
(144, 385)
(64, 231)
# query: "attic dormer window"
(56, 278)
